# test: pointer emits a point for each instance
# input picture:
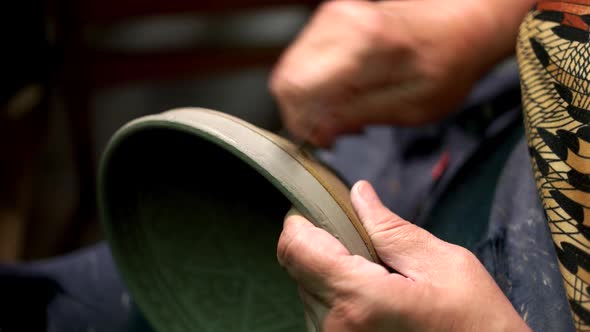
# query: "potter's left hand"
(440, 286)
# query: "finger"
(405, 247)
(378, 300)
(307, 104)
(318, 261)
(397, 104)
(315, 311)
(324, 127)
(310, 255)
(312, 71)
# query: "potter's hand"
(441, 287)
(389, 62)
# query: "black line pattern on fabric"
(554, 59)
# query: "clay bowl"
(192, 202)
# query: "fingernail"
(366, 191)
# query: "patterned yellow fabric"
(553, 50)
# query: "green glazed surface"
(193, 229)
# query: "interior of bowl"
(194, 231)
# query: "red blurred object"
(441, 166)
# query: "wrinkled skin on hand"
(439, 287)
(389, 62)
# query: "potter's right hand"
(389, 62)
(440, 286)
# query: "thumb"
(401, 245)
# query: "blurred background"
(74, 71)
